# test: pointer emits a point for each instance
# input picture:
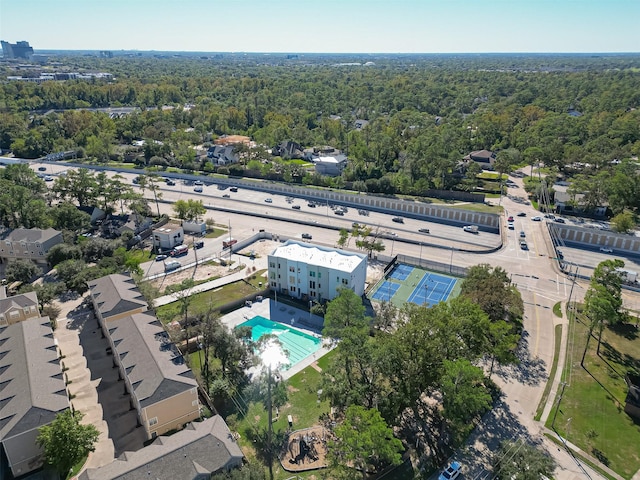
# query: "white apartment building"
(312, 272)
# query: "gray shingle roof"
(154, 366)
(201, 448)
(116, 294)
(19, 301)
(32, 389)
(32, 235)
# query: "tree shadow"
(626, 330)
(611, 396)
(527, 370)
(609, 354)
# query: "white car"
(451, 472)
(537, 218)
(268, 200)
(606, 250)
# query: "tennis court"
(406, 283)
(432, 289)
(386, 291)
(401, 272)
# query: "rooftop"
(17, 301)
(199, 450)
(319, 256)
(154, 366)
(116, 294)
(32, 235)
(32, 389)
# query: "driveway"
(95, 387)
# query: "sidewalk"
(259, 263)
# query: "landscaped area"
(591, 413)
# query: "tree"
(623, 222)
(46, 292)
(521, 461)
(491, 288)
(63, 251)
(364, 440)
(21, 271)
(66, 441)
(67, 217)
(464, 394)
(343, 238)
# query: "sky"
(332, 26)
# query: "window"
(312, 294)
(153, 421)
(14, 313)
(344, 281)
(312, 284)
(292, 279)
(272, 275)
(272, 265)
(319, 274)
(292, 269)
(273, 284)
(278, 265)
(293, 289)
(312, 274)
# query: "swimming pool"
(297, 345)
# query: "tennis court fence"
(449, 268)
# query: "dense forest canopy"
(424, 112)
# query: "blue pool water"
(298, 345)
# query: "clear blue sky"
(397, 26)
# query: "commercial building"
(330, 166)
(32, 390)
(163, 389)
(29, 244)
(312, 272)
(197, 452)
(168, 236)
(16, 50)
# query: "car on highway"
(510, 219)
(198, 182)
(197, 189)
(42, 169)
(48, 178)
(537, 218)
(511, 226)
(397, 219)
(226, 195)
(311, 205)
(170, 182)
(295, 207)
(560, 220)
(423, 230)
(339, 212)
(451, 472)
(523, 245)
(470, 228)
(522, 214)
(307, 236)
(522, 234)
(159, 258)
(268, 200)
(606, 250)
(233, 189)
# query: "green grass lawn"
(552, 374)
(213, 299)
(215, 233)
(591, 413)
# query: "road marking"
(535, 350)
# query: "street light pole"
(420, 253)
(451, 260)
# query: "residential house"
(197, 452)
(330, 166)
(573, 203)
(312, 272)
(288, 149)
(232, 140)
(29, 244)
(360, 124)
(96, 214)
(223, 155)
(485, 158)
(17, 308)
(163, 389)
(168, 236)
(32, 390)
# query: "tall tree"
(66, 441)
(364, 440)
(521, 461)
(21, 271)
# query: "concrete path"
(259, 264)
(82, 386)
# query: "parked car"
(170, 183)
(198, 244)
(511, 226)
(451, 472)
(423, 230)
(42, 169)
(307, 236)
(48, 178)
(510, 219)
(159, 258)
(606, 250)
(268, 200)
(197, 189)
(522, 214)
(537, 218)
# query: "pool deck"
(287, 315)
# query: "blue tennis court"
(386, 291)
(432, 289)
(401, 272)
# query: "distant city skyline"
(326, 26)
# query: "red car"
(510, 219)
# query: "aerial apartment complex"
(312, 272)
